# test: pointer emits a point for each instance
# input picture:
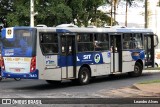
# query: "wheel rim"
(84, 76)
(136, 69)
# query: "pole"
(126, 14)
(32, 13)
(146, 13)
(111, 13)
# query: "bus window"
(101, 42)
(25, 38)
(137, 40)
(49, 43)
(85, 42)
(126, 40)
(132, 41)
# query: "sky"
(136, 11)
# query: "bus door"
(68, 56)
(116, 53)
(149, 50)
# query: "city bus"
(55, 54)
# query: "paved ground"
(137, 90)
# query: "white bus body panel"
(67, 72)
(116, 67)
(128, 62)
(102, 69)
(52, 71)
(52, 74)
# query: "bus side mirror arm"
(156, 41)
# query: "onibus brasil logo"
(97, 58)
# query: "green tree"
(18, 13)
(54, 12)
(90, 12)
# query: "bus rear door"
(68, 56)
(116, 53)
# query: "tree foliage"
(54, 12)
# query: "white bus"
(55, 54)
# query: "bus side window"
(127, 42)
(137, 41)
(85, 42)
(132, 44)
(101, 42)
(49, 43)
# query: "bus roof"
(87, 30)
(94, 30)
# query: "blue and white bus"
(72, 53)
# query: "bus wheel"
(0, 78)
(53, 82)
(17, 79)
(84, 76)
(137, 70)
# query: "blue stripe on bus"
(81, 58)
(140, 56)
(93, 58)
(62, 30)
(31, 75)
(3, 33)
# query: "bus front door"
(68, 56)
(149, 50)
(116, 53)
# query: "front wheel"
(137, 70)
(84, 76)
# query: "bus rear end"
(19, 53)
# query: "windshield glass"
(22, 43)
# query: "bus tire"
(0, 78)
(17, 79)
(84, 76)
(53, 82)
(137, 70)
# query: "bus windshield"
(20, 44)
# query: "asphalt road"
(10, 88)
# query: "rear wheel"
(17, 79)
(0, 78)
(84, 76)
(137, 70)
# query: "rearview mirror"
(156, 41)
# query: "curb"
(151, 70)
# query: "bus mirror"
(156, 41)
